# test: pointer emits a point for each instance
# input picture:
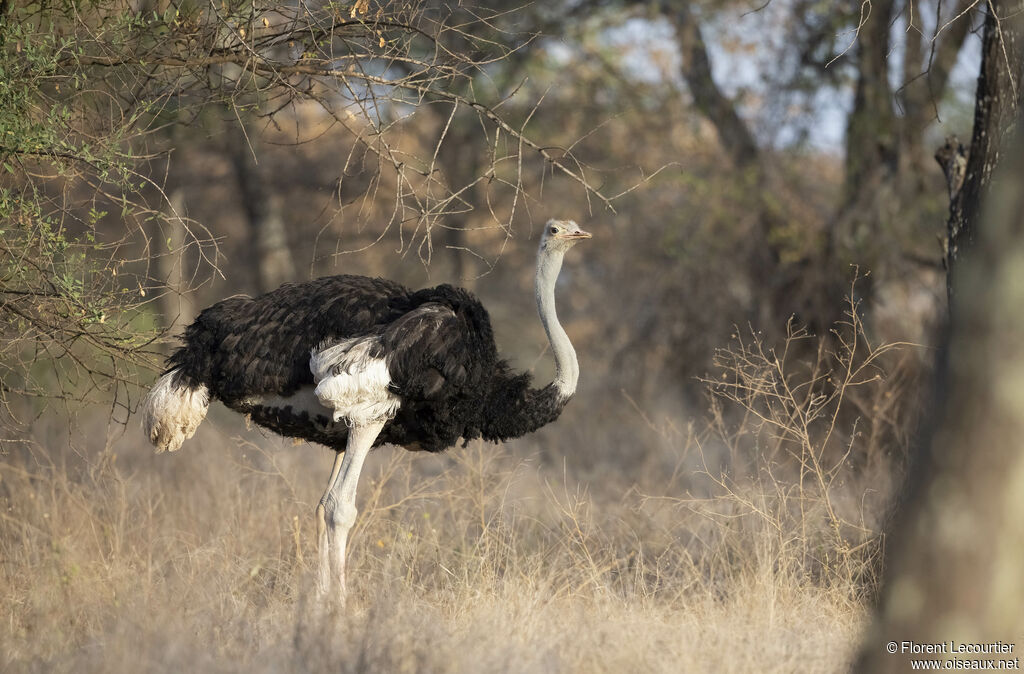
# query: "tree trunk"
(997, 101)
(460, 157)
(956, 549)
(872, 151)
(262, 205)
(716, 107)
(870, 132)
(175, 301)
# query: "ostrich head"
(561, 235)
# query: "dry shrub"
(810, 462)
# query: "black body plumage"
(438, 344)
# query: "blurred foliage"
(95, 97)
(445, 133)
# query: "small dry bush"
(817, 447)
(753, 552)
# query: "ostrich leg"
(337, 510)
(323, 544)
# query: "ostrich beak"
(578, 235)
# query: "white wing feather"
(353, 383)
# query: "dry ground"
(484, 559)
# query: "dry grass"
(738, 555)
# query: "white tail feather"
(171, 412)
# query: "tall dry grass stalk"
(754, 553)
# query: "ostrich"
(352, 363)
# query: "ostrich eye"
(553, 230)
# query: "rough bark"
(997, 101)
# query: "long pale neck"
(567, 369)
